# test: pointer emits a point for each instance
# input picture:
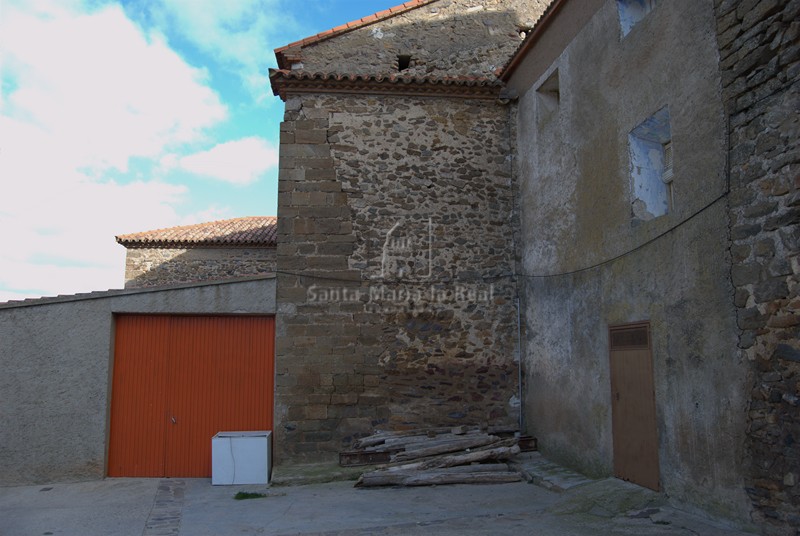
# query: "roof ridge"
(348, 27)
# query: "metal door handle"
(174, 421)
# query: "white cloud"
(238, 34)
(85, 92)
(239, 162)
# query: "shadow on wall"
(480, 41)
(148, 267)
(230, 256)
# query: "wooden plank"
(463, 459)
(463, 442)
(382, 436)
(356, 458)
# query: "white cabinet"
(240, 458)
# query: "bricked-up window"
(651, 168)
(549, 97)
(632, 11)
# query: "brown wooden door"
(177, 381)
(633, 406)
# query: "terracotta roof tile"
(258, 231)
(286, 81)
(347, 27)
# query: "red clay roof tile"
(257, 231)
(286, 81)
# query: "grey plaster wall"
(575, 213)
(55, 357)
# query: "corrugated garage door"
(177, 381)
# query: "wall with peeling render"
(593, 262)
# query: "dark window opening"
(403, 62)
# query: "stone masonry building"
(577, 219)
(396, 290)
(216, 250)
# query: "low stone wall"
(147, 267)
(760, 62)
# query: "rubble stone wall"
(147, 267)
(760, 63)
(449, 37)
(394, 213)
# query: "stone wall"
(147, 267)
(589, 263)
(395, 212)
(444, 38)
(760, 62)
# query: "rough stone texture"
(401, 208)
(575, 202)
(760, 63)
(445, 38)
(403, 214)
(146, 267)
(56, 362)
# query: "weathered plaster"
(575, 199)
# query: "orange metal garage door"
(177, 381)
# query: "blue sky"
(129, 115)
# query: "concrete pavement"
(193, 507)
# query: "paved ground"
(192, 507)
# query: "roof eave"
(285, 83)
(161, 244)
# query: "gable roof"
(284, 56)
(253, 231)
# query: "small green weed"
(242, 495)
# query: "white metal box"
(240, 458)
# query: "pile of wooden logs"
(438, 456)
